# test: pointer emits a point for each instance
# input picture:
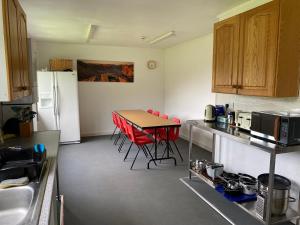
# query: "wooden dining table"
(144, 120)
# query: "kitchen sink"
(21, 205)
(15, 204)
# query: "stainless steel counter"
(40, 208)
(227, 131)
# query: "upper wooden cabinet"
(226, 50)
(268, 55)
(15, 51)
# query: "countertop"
(51, 141)
(244, 137)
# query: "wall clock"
(151, 64)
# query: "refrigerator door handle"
(54, 98)
(55, 101)
(58, 106)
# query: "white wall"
(98, 99)
(188, 69)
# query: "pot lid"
(280, 182)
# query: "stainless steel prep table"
(227, 131)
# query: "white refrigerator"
(58, 106)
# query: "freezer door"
(68, 106)
(46, 101)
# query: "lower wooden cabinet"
(57, 205)
(267, 39)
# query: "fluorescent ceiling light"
(162, 37)
(91, 32)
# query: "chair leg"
(128, 151)
(113, 133)
(135, 157)
(178, 150)
(145, 152)
(152, 147)
(117, 138)
(122, 143)
(163, 153)
(150, 154)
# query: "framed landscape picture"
(105, 71)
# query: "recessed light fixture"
(91, 32)
(162, 37)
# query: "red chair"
(156, 113)
(118, 124)
(114, 118)
(122, 133)
(173, 136)
(150, 111)
(123, 128)
(164, 116)
(140, 141)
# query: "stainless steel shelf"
(233, 133)
(249, 207)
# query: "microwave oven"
(279, 127)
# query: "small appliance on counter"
(279, 127)
(243, 120)
(210, 113)
(220, 110)
(214, 170)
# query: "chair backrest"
(156, 113)
(150, 111)
(121, 125)
(164, 116)
(130, 132)
(114, 118)
(174, 132)
(124, 126)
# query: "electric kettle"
(210, 113)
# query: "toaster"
(243, 120)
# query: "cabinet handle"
(234, 86)
(61, 218)
(19, 88)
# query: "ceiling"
(122, 22)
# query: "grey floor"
(100, 189)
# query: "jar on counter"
(231, 118)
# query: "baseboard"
(99, 133)
(196, 142)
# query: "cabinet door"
(226, 50)
(12, 42)
(258, 52)
(23, 52)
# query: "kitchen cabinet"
(226, 49)
(14, 61)
(268, 55)
(57, 204)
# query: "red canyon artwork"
(105, 71)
